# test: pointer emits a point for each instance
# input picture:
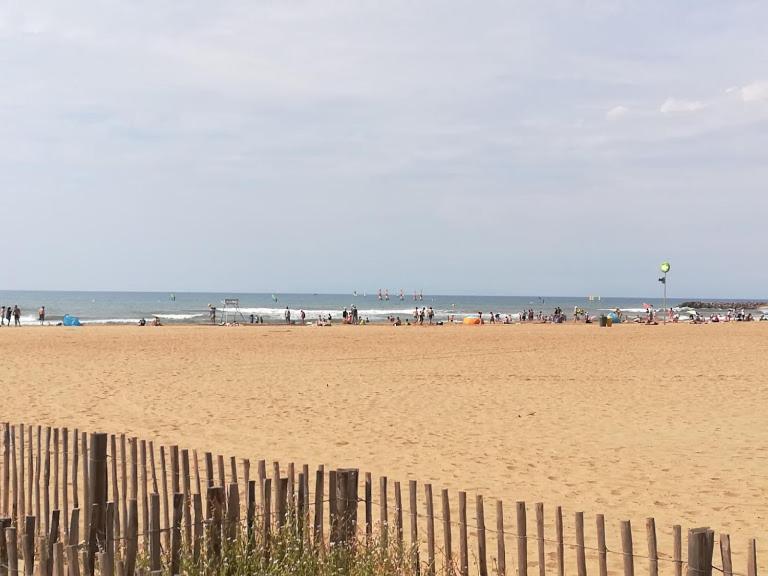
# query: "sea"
(193, 307)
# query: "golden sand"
(631, 421)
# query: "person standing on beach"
(16, 315)
(8, 314)
(287, 315)
(212, 313)
(430, 315)
(303, 316)
(41, 315)
(2, 316)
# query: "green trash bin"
(603, 321)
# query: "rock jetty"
(746, 304)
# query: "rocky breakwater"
(722, 305)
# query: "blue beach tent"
(71, 320)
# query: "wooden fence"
(73, 502)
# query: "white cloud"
(616, 112)
(755, 92)
(673, 105)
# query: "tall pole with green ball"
(665, 267)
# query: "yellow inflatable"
(472, 320)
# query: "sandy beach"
(632, 421)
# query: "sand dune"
(632, 421)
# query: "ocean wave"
(110, 321)
(630, 310)
(280, 312)
(169, 316)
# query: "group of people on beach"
(8, 312)
(14, 312)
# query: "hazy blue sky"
(513, 147)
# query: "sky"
(494, 147)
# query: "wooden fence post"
(653, 554)
(87, 511)
(109, 547)
(415, 562)
(752, 558)
(347, 480)
(209, 469)
(132, 537)
(220, 463)
(430, 529)
(115, 490)
(13, 552)
(52, 538)
(581, 556)
(73, 564)
(123, 485)
(447, 536)
(333, 518)
(47, 481)
(164, 486)
(522, 540)
(38, 464)
(250, 509)
(175, 470)
(154, 532)
(215, 516)
(463, 545)
(368, 508)
(319, 500)
(22, 511)
(626, 548)
(15, 476)
(74, 528)
(383, 513)
(58, 559)
(178, 510)
(281, 506)
(56, 485)
(4, 524)
(501, 543)
(6, 467)
(725, 552)
(28, 546)
(267, 491)
(701, 543)
(186, 488)
(481, 550)
(98, 497)
(560, 545)
(301, 497)
(233, 512)
(602, 550)
(678, 549)
(542, 560)
(31, 472)
(399, 520)
(197, 531)
(144, 493)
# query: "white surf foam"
(178, 316)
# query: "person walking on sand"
(212, 313)
(287, 315)
(303, 316)
(8, 314)
(41, 315)
(16, 315)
